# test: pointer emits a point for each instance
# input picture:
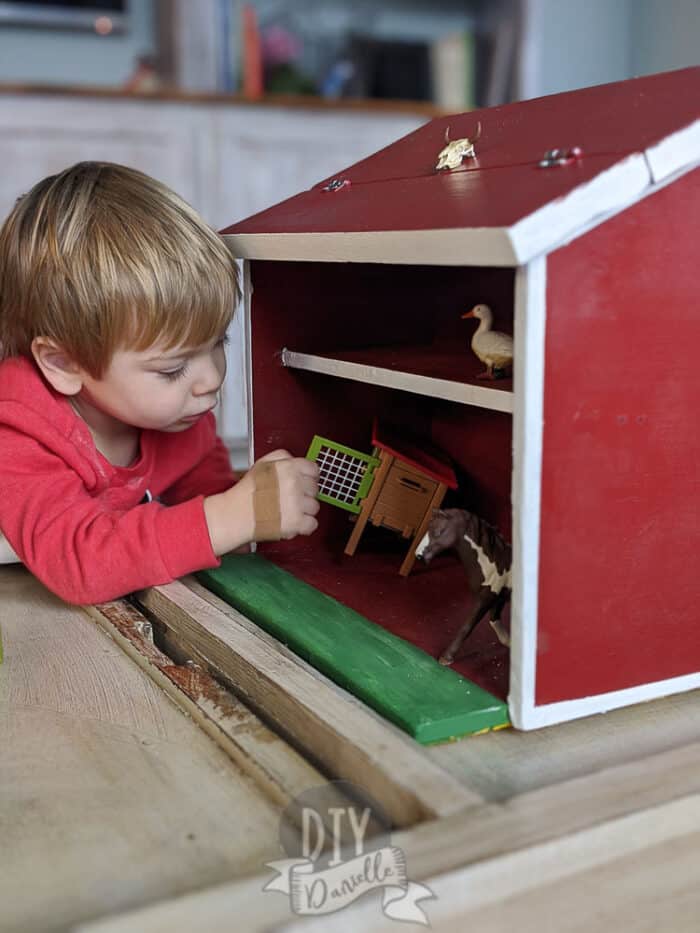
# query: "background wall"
(579, 44)
(54, 56)
(572, 44)
(666, 35)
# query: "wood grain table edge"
(279, 770)
(495, 849)
(337, 732)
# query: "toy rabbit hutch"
(586, 459)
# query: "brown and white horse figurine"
(486, 557)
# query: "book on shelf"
(194, 36)
(452, 59)
(499, 87)
(251, 53)
(200, 43)
(388, 69)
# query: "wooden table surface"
(110, 797)
(112, 800)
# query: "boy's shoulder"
(16, 371)
(24, 393)
(37, 421)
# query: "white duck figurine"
(493, 348)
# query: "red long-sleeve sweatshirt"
(78, 522)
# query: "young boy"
(114, 303)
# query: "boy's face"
(157, 389)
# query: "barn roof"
(501, 208)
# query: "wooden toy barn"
(587, 460)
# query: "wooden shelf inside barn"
(424, 370)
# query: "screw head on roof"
(554, 157)
(336, 184)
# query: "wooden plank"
(484, 855)
(176, 95)
(567, 884)
(648, 890)
(110, 798)
(465, 393)
(430, 702)
(280, 771)
(511, 762)
(346, 738)
(485, 246)
(529, 338)
(551, 812)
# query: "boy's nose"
(208, 380)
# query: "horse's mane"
(486, 536)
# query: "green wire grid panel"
(345, 474)
(404, 684)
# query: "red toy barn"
(589, 458)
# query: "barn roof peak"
(501, 208)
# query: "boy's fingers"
(275, 455)
(311, 506)
(308, 467)
(309, 486)
(308, 525)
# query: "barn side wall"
(619, 579)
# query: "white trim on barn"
(562, 220)
(605, 195)
(528, 421)
(233, 410)
(677, 152)
(475, 246)
(248, 338)
(465, 393)
(603, 218)
(550, 713)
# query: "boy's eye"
(222, 341)
(172, 374)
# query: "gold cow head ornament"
(453, 153)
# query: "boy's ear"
(57, 367)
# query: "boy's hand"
(296, 482)
(275, 499)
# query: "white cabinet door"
(40, 136)
(260, 156)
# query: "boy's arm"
(81, 549)
(86, 552)
(276, 499)
(212, 474)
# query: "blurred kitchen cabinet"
(225, 159)
(41, 134)
(266, 154)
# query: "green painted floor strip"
(430, 702)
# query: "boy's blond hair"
(102, 257)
